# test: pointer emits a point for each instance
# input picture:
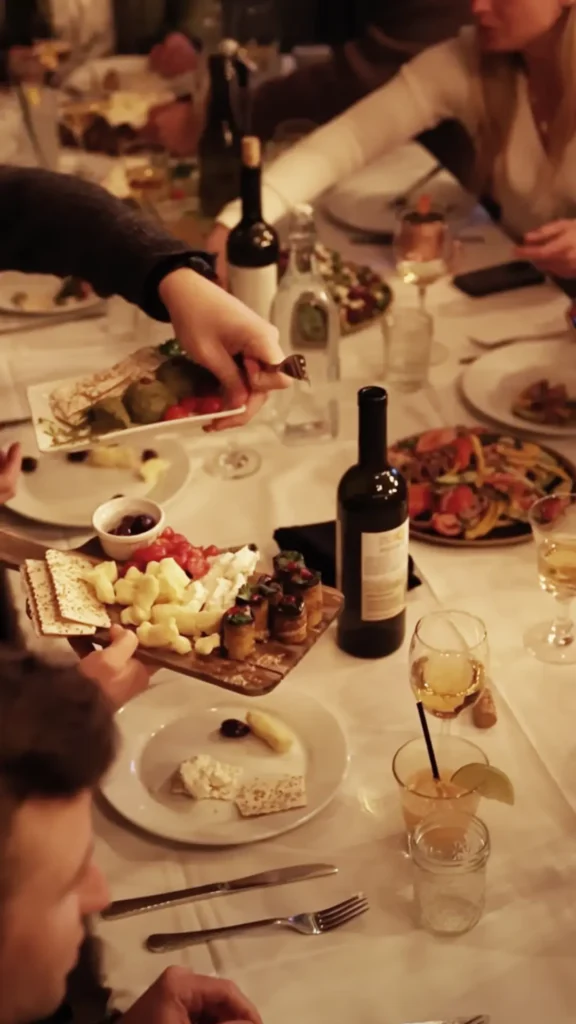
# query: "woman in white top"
(510, 81)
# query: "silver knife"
(281, 876)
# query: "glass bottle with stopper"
(308, 322)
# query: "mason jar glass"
(450, 852)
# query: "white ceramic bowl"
(110, 514)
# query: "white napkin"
(533, 313)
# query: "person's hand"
(175, 56)
(118, 674)
(181, 997)
(177, 127)
(10, 466)
(213, 327)
(552, 248)
(216, 243)
(24, 65)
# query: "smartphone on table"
(505, 277)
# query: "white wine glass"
(424, 251)
(553, 521)
(449, 662)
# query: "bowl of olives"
(125, 524)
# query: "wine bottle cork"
(484, 714)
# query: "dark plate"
(503, 536)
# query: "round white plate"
(133, 71)
(40, 290)
(362, 202)
(493, 382)
(176, 720)
(63, 493)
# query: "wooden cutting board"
(261, 674)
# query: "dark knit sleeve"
(57, 224)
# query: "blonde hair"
(497, 78)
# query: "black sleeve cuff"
(201, 262)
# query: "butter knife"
(280, 876)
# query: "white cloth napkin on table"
(535, 312)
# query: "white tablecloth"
(518, 963)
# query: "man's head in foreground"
(56, 742)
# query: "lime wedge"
(491, 782)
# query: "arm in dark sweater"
(57, 224)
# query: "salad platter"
(359, 292)
(474, 487)
(152, 387)
(211, 614)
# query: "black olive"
(148, 454)
(77, 456)
(29, 465)
(232, 729)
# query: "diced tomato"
(207, 406)
(168, 533)
(175, 412)
(179, 539)
(153, 552)
(419, 499)
(196, 566)
(464, 452)
(446, 524)
(211, 552)
(430, 440)
(190, 405)
(458, 500)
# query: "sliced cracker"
(76, 599)
(44, 610)
(272, 795)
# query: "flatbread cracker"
(70, 402)
(271, 795)
(44, 610)
(76, 599)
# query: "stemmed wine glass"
(553, 521)
(424, 252)
(449, 662)
(234, 462)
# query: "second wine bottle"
(253, 249)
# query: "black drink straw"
(428, 740)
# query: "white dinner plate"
(362, 202)
(133, 71)
(494, 381)
(63, 493)
(42, 416)
(174, 721)
(40, 290)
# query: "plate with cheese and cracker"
(63, 489)
(224, 772)
(205, 612)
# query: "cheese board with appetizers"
(205, 612)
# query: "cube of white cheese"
(205, 778)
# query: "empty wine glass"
(233, 462)
(553, 521)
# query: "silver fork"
(306, 924)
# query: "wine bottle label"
(384, 567)
(255, 287)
